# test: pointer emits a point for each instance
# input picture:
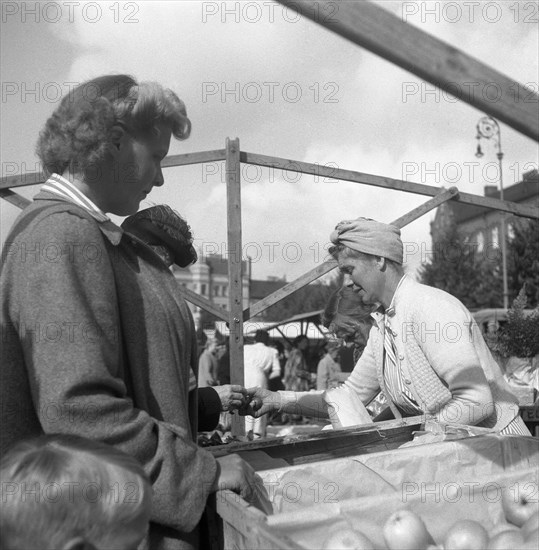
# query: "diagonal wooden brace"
(326, 267)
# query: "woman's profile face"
(137, 169)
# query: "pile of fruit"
(405, 530)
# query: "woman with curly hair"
(97, 341)
(349, 319)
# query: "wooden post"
(14, 198)
(235, 293)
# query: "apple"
(501, 527)
(506, 540)
(347, 539)
(532, 540)
(520, 502)
(466, 535)
(405, 530)
(530, 525)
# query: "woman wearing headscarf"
(424, 351)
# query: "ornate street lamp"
(488, 128)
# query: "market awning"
(304, 323)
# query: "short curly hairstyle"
(346, 314)
(81, 488)
(78, 131)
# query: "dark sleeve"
(209, 409)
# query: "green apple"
(466, 535)
(531, 524)
(501, 527)
(347, 539)
(405, 530)
(520, 502)
(507, 540)
(532, 540)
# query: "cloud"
(289, 88)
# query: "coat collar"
(113, 232)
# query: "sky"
(285, 87)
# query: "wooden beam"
(429, 58)
(525, 210)
(14, 198)
(422, 209)
(235, 279)
(20, 180)
(193, 158)
(326, 267)
(35, 178)
(288, 289)
(204, 303)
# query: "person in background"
(296, 374)
(208, 365)
(120, 367)
(276, 382)
(223, 358)
(451, 379)
(64, 492)
(260, 360)
(349, 319)
(329, 374)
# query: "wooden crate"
(471, 462)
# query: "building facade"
(480, 226)
(208, 277)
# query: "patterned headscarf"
(371, 237)
(160, 227)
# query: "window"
(480, 241)
(216, 290)
(510, 231)
(203, 289)
(224, 290)
(495, 237)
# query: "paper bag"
(345, 408)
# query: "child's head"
(68, 492)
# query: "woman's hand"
(232, 397)
(237, 475)
(261, 401)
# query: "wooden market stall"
(381, 32)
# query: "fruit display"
(405, 530)
(479, 492)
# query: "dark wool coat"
(96, 341)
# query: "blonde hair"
(77, 133)
(59, 487)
